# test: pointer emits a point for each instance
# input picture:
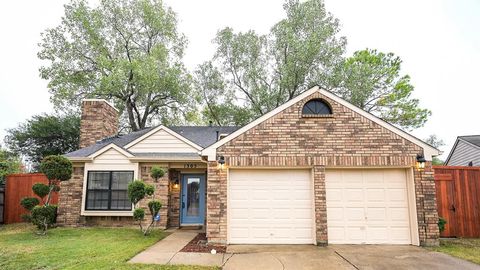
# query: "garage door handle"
(453, 208)
(183, 205)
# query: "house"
(465, 152)
(315, 170)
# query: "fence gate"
(458, 200)
(2, 203)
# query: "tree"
(218, 102)
(137, 191)
(129, 51)
(56, 169)
(45, 135)
(436, 142)
(371, 80)
(9, 163)
(260, 72)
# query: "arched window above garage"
(317, 107)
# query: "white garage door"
(270, 207)
(367, 207)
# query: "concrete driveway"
(267, 257)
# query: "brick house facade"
(344, 139)
(284, 139)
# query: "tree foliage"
(260, 72)
(127, 50)
(56, 168)
(438, 143)
(9, 163)
(157, 172)
(372, 81)
(45, 135)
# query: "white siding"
(162, 142)
(463, 154)
(111, 157)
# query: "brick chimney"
(99, 120)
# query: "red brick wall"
(99, 120)
(345, 139)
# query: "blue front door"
(193, 199)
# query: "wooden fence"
(2, 202)
(458, 200)
(19, 186)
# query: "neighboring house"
(465, 152)
(315, 170)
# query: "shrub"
(154, 207)
(57, 168)
(41, 190)
(139, 214)
(441, 224)
(136, 191)
(149, 190)
(157, 173)
(44, 216)
(29, 203)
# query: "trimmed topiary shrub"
(137, 191)
(157, 173)
(139, 214)
(44, 216)
(56, 169)
(41, 190)
(29, 203)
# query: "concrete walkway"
(283, 257)
(167, 251)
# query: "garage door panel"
(375, 195)
(367, 206)
(276, 209)
(353, 195)
(354, 214)
(376, 214)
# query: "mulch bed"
(200, 244)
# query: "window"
(107, 190)
(316, 107)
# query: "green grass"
(76, 248)
(463, 248)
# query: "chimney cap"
(100, 100)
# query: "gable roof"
(473, 140)
(429, 150)
(202, 136)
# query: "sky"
(438, 41)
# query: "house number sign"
(190, 165)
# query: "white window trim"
(102, 167)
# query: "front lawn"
(463, 248)
(76, 248)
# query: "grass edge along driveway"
(463, 248)
(77, 248)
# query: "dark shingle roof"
(200, 135)
(473, 139)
